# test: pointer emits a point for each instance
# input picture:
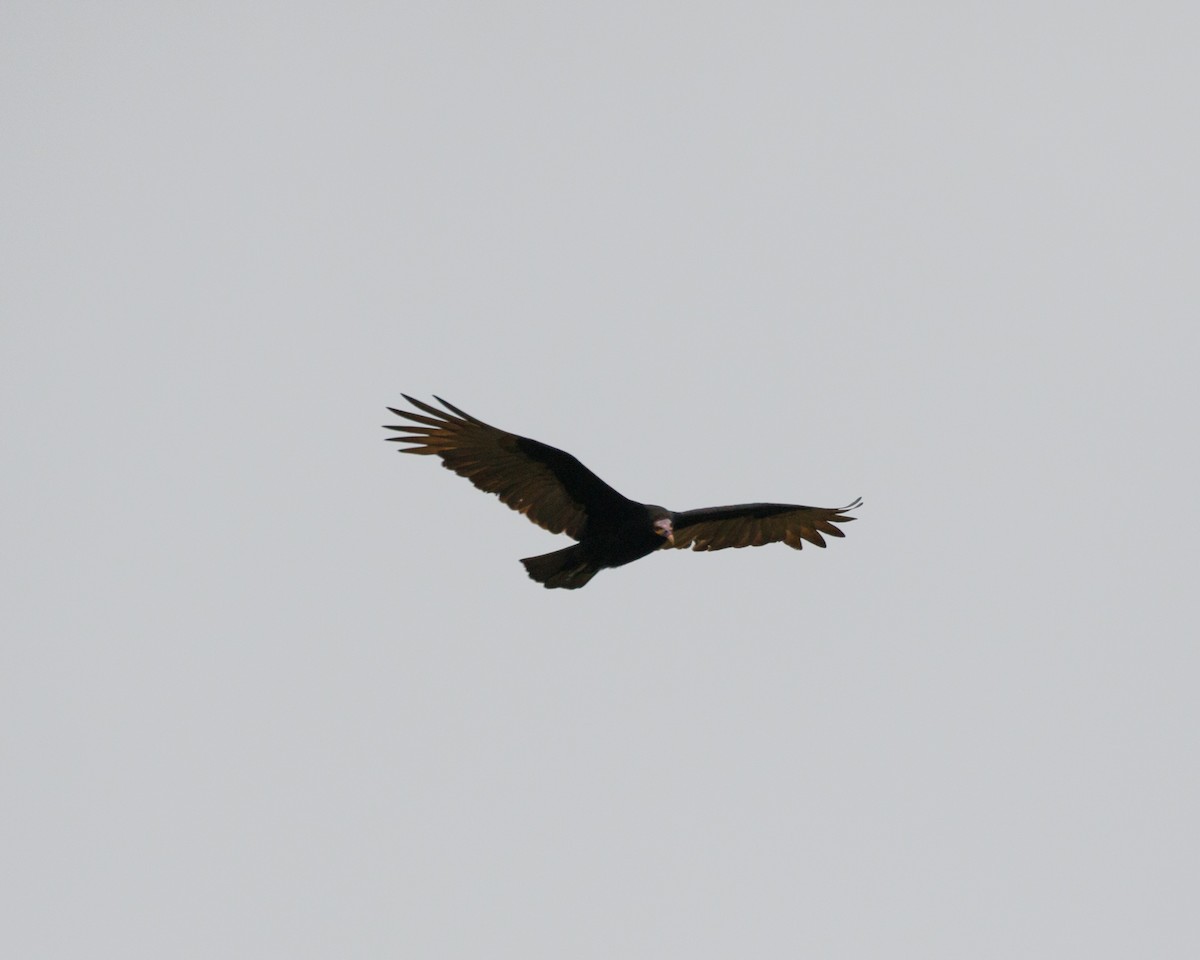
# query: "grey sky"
(269, 690)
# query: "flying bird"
(561, 495)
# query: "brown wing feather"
(756, 524)
(549, 486)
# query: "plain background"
(269, 690)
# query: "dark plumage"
(560, 494)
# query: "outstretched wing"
(755, 524)
(549, 486)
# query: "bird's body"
(626, 538)
(560, 494)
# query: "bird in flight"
(561, 495)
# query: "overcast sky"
(270, 690)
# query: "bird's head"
(663, 525)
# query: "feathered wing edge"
(757, 524)
(549, 486)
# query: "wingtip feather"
(453, 409)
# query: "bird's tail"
(568, 569)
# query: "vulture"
(560, 494)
